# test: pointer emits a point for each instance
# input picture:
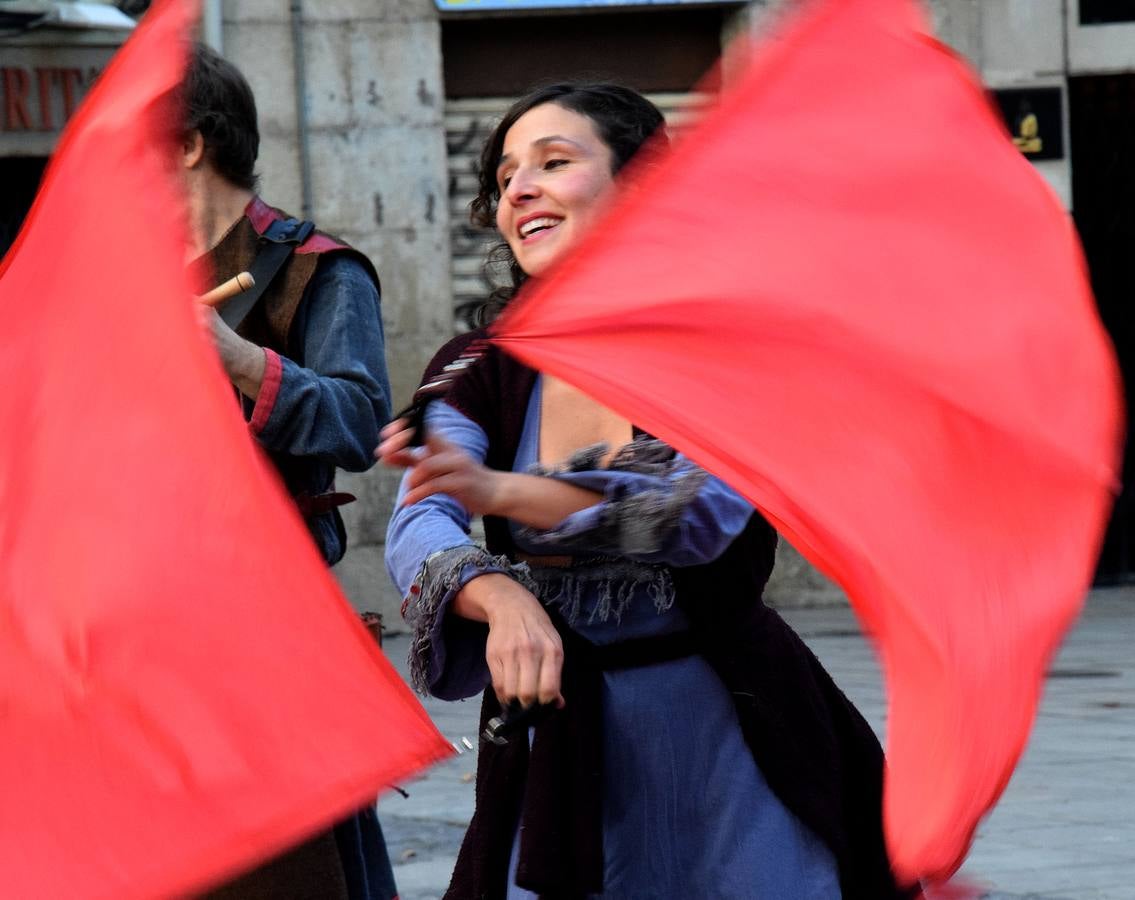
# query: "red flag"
(183, 689)
(849, 296)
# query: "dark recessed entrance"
(651, 50)
(1102, 110)
(1104, 12)
(20, 176)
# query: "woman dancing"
(695, 748)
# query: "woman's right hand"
(524, 651)
(395, 449)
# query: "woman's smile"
(533, 227)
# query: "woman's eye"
(555, 163)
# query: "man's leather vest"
(269, 323)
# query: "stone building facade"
(400, 91)
(372, 111)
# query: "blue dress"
(686, 811)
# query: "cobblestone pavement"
(1064, 829)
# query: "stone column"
(376, 146)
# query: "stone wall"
(378, 162)
(1014, 44)
(376, 147)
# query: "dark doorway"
(652, 50)
(1102, 110)
(20, 176)
(1103, 12)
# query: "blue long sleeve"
(436, 523)
(333, 404)
(430, 557)
(683, 517)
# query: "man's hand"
(243, 361)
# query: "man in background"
(304, 351)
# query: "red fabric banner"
(848, 295)
(183, 689)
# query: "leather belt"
(318, 504)
(547, 562)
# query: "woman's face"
(555, 181)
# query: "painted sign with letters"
(41, 86)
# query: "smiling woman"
(589, 130)
(688, 743)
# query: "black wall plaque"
(1035, 118)
(1100, 12)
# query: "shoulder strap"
(279, 240)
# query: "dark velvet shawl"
(817, 752)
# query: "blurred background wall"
(373, 113)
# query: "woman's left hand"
(444, 468)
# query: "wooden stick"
(238, 284)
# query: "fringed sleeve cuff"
(447, 653)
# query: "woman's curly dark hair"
(624, 119)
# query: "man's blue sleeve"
(330, 403)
